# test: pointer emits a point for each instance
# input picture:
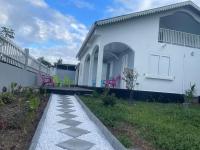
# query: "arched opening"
(94, 67)
(86, 70)
(180, 21)
(181, 28)
(117, 56)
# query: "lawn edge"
(40, 125)
(108, 135)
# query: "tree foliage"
(7, 32)
(130, 77)
(44, 61)
(59, 62)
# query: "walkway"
(67, 126)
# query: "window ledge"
(159, 77)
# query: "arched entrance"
(86, 70)
(116, 57)
(94, 66)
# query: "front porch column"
(81, 73)
(91, 70)
(99, 66)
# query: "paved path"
(67, 126)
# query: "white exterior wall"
(82, 61)
(141, 34)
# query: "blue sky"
(86, 12)
(56, 28)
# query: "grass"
(150, 125)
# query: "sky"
(56, 28)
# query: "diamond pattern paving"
(69, 110)
(75, 144)
(67, 115)
(70, 122)
(64, 105)
(64, 109)
(74, 131)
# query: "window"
(159, 65)
(164, 66)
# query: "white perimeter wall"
(9, 74)
(62, 73)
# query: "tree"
(7, 32)
(43, 61)
(59, 62)
(130, 77)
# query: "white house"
(162, 44)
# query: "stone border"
(108, 135)
(37, 133)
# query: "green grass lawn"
(150, 125)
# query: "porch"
(115, 57)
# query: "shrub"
(1, 102)
(190, 94)
(7, 98)
(4, 89)
(109, 100)
(13, 86)
(106, 91)
(34, 103)
(95, 94)
(27, 92)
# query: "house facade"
(161, 44)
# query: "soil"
(12, 136)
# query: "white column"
(82, 73)
(91, 70)
(99, 66)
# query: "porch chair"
(113, 82)
(45, 80)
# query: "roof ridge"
(152, 10)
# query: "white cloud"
(120, 7)
(81, 4)
(39, 3)
(43, 29)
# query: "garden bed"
(19, 117)
(148, 125)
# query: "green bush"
(13, 86)
(109, 100)
(4, 89)
(95, 94)
(34, 103)
(7, 98)
(1, 102)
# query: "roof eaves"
(86, 39)
(145, 12)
